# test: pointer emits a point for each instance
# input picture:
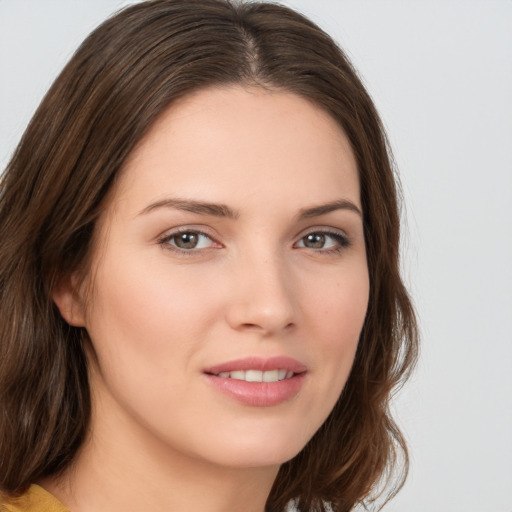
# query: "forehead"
(218, 141)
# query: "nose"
(263, 298)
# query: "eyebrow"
(222, 210)
(188, 205)
(323, 209)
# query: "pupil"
(315, 241)
(187, 240)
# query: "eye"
(323, 241)
(188, 240)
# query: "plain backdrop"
(440, 73)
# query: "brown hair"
(125, 74)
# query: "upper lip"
(259, 363)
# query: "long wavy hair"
(120, 80)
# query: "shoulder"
(36, 499)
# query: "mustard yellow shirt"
(36, 499)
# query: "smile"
(258, 382)
(257, 375)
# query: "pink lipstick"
(258, 382)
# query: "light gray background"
(441, 74)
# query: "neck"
(87, 489)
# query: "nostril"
(266, 331)
(251, 326)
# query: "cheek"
(147, 327)
(337, 316)
(340, 307)
(144, 295)
(142, 318)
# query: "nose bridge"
(264, 297)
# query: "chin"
(259, 448)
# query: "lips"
(258, 363)
(258, 375)
(259, 382)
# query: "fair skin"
(233, 232)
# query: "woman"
(201, 304)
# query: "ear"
(67, 298)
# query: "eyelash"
(165, 241)
(342, 241)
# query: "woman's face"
(231, 251)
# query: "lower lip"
(258, 394)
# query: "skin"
(162, 438)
